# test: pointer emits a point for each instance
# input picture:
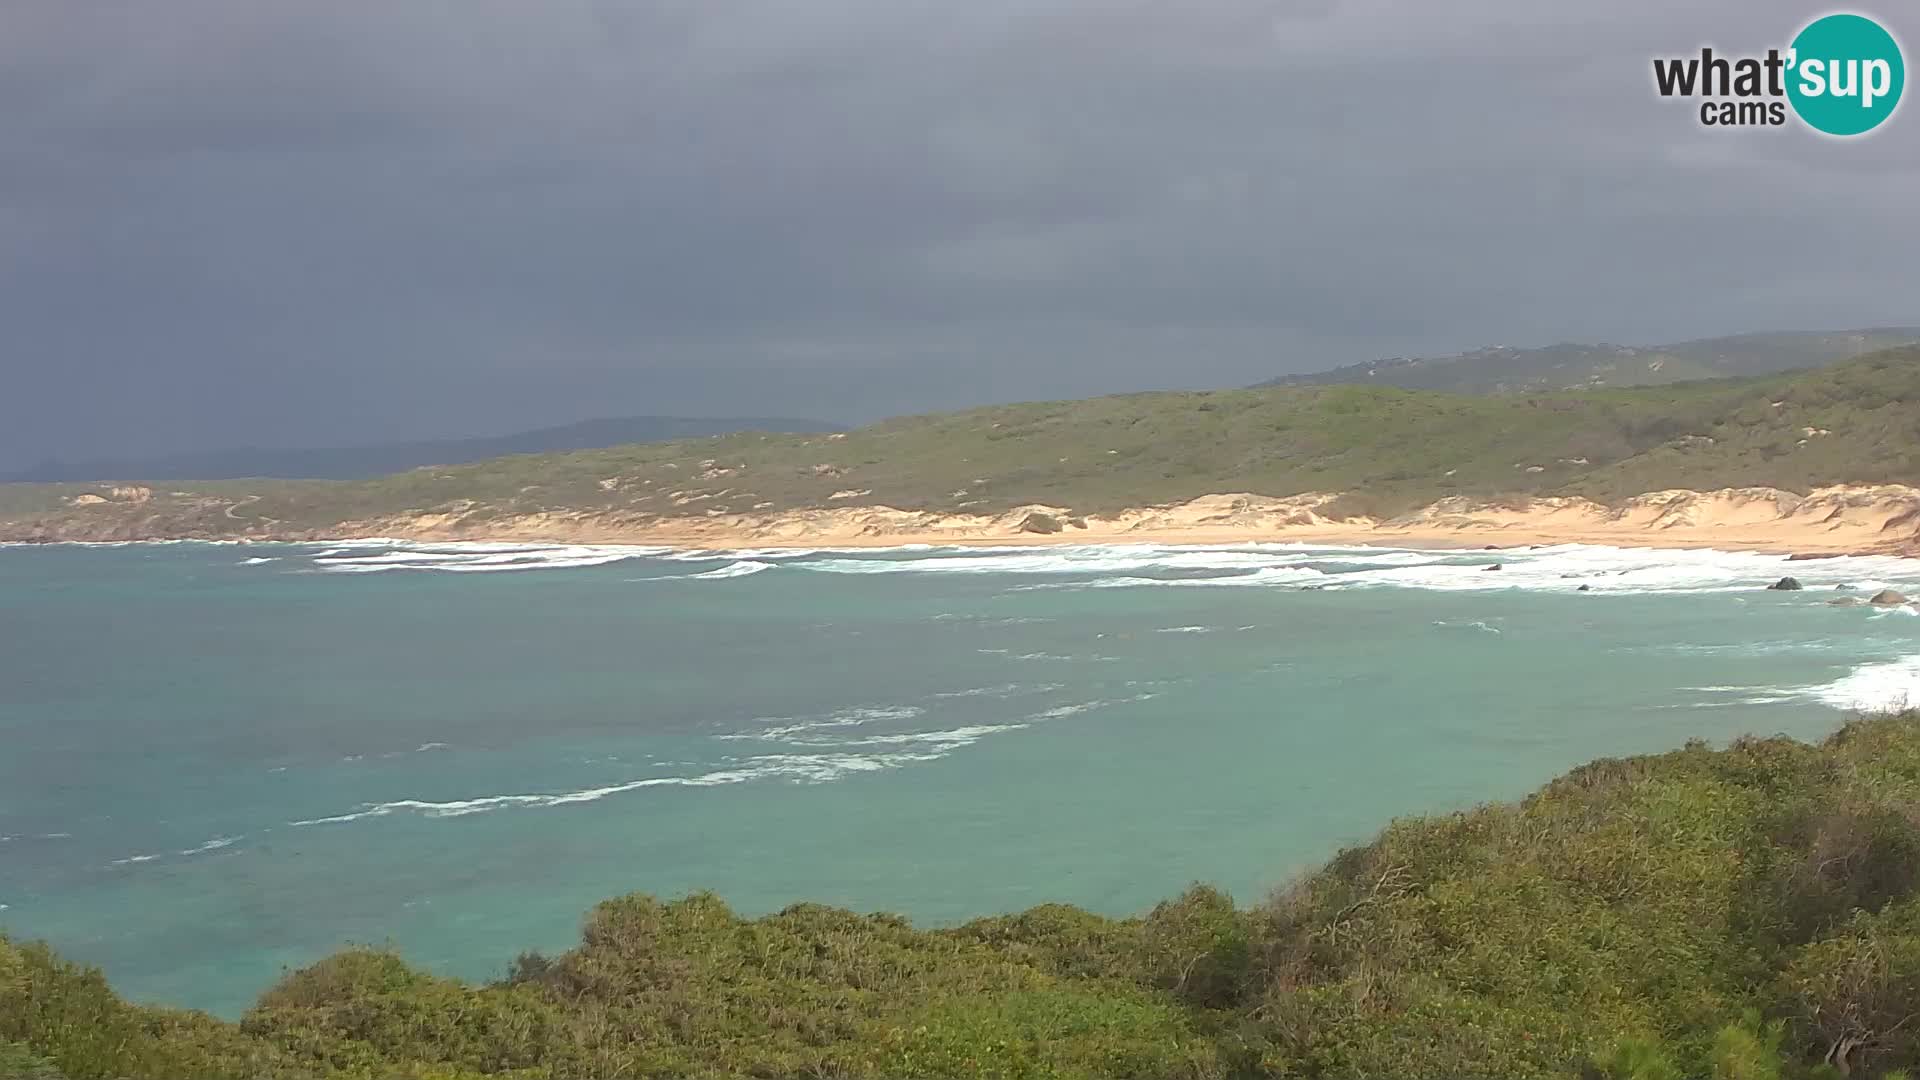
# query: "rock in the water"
(1843, 588)
(1785, 584)
(1495, 566)
(1491, 547)
(1807, 556)
(1888, 598)
(1037, 522)
(1584, 588)
(1844, 601)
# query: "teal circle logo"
(1845, 74)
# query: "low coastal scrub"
(1748, 913)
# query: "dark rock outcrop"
(1785, 584)
(1888, 598)
(1037, 522)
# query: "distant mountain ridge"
(359, 462)
(1504, 369)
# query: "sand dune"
(1836, 520)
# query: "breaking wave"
(1879, 687)
(798, 768)
(1548, 568)
(472, 557)
(743, 568)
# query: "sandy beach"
(1840, 520)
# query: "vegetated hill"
(1392, 450)
(1747, 912)
(348, 463)
(1503, 369)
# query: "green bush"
(1751, 913)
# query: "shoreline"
(1879, 520)
(1382, 539)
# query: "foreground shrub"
(1751, 913)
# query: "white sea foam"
(785, 727)
(215, 844)
(1747, 648)
(1557, 568)
(842, 731)
(1749, 695)
(1890, 685)
(951, 739)
(1268, 576)
(1881, 686)
(989, 620)
(1078, 707)
(732, 570)
(798, 768)
(256, 562)
(1184, 630)
(1005, 690)
(718, 555)
(1057, 560)
(474, 557)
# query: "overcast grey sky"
(339, 221)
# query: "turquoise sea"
(219, 761)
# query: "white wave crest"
(474, 557)
(215, 844)
(718, 554)
(1886, 686)
(785, 727)
(951, 739)
(1090, 559)
(1554, 568)
(798, 768)
(1005, 690)
(742, 568)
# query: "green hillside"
(352, 462)
(1503, 369)
(1392, 449)
(1751, 912)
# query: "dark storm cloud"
(228, 221)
